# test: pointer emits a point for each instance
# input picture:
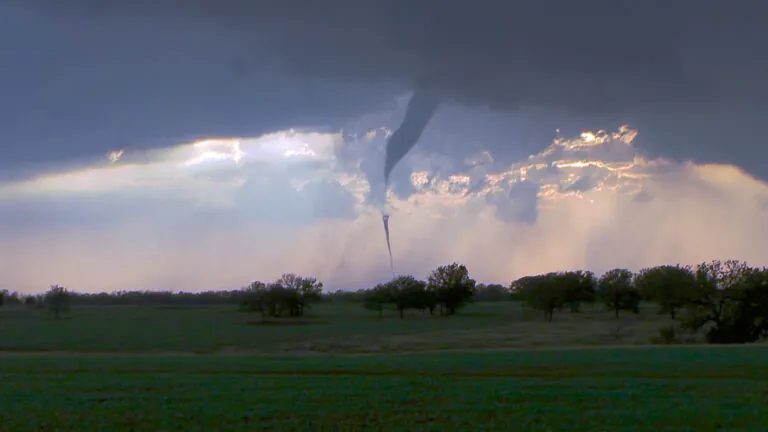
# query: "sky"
(203, 145)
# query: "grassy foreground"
(343, 369)
(635, 389)
(329, 328)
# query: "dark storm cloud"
(647, 62)
(588, 56)
(78, 84)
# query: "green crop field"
(684, 388)
(495, 366)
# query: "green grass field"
(329, 328)
(343, 369)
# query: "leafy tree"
(420, 298)
(57, 299)
(301, 292)
(404, 292)
(617, 292)
(410, 293)
(256, 297)
(732, 299)
(579, 288)
(452, 287)
(541, 292)
(671, 287)
(10, 298)
(377, 297)
(291, 295)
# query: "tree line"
(290, 295)
(729, 299)
(483, 293)
(128, 298)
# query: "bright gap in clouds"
(220, 213)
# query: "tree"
(732, 298)
(301, 291)
(671, 287)
(541, 292)
(10, 298)
(579, 288)
(256, 297)
(452, 287)
(617, 292)
(404, 292)
(281, 300)
(377, 297)
(291, 295)
(409, 293)
(57, 299)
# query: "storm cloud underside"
(609, 61)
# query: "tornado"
(385, 219)
(421, 108)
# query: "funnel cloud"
(421, 108)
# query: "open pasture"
(495, 366)
(328, 328)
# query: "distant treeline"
(728, 299)
(483, 293)
(491, 292)
(134, 298)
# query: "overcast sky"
(203, 144)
